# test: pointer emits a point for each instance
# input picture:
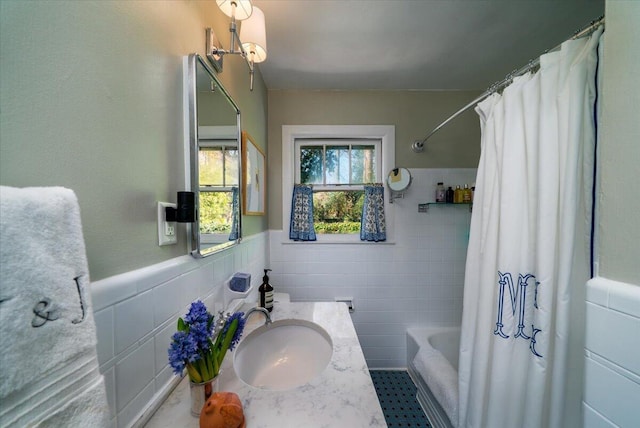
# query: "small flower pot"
(200, 393)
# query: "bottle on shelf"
(466, 194)
(440, 192)
(457, 195)
(266, 292)
(449, 195)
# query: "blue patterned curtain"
(372, 225)
(235, 213)
(301, 226)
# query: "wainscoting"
(136, 315)
(612, 354)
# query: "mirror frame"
(191, 155)
(405, 176)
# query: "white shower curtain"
(528, 259)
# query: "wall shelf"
(424, 208)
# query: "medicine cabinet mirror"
(214, 171)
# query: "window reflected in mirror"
(218, 175)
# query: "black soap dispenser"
(266, 292)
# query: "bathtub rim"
(430, 405)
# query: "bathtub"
(432, 363)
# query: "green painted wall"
(619, 204)
(414, 114)
(92, 100)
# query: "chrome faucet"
(259, 309)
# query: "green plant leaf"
(182, 326)
(227, 340)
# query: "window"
(218, 175)
(337, 161)
(338, 169)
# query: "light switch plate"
(166, 229)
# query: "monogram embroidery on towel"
(43, 314)
(45, 310)
(79, 320)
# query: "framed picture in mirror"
(254, 177)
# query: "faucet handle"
(222, 319)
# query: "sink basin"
(283, 355)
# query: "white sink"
(283, 355)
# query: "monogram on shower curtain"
(521, 348)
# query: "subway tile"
(162, 272)
(134, 408)
(133, 319)
(389, 340)
(109, 291)
(168, 299)
(110, 387)
(384, 353)
(614, 336)
(104, 333)
(133, 374)
(161, 342)
(367, 328)
(625, 298)
(203, 279)
(612, 395)
(593, 419)
(163, 378)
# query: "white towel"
(48, 363)
(441, 378)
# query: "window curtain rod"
(418, 145)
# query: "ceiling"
(411, 44)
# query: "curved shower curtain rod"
(418, 145)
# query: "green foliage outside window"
(337, 212)
(218, 168)
(216, 214)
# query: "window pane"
(311, 165)
(231, 167)
(337, 212)
(337, 164)
(363, 162)
(210, 166)
(216, 212)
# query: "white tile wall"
(612, 355)
(416, 279)
(136, 314)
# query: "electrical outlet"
(166, 229)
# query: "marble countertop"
(343, 395)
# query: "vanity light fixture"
(251, 43)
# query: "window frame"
(376, 143)
(384, 133)
(224, 137)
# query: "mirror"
(213, 160)
(398, 180)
